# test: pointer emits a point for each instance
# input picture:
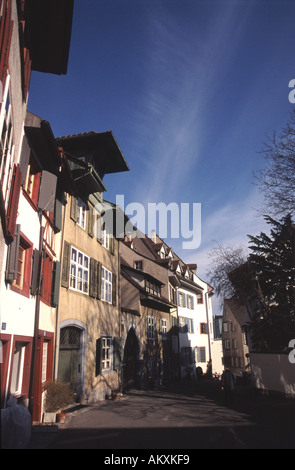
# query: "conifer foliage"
(272, 272)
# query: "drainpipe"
(55, 361)
(207, 317)
(36, 326)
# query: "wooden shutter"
(6, 27)
(13, 200)
(93, 280)
(12, 257)
(98, 357)
(55, 283)
(114, 289)
(98, 280)
(46, 199)
(74, 208)
(117, 347)
(90, 221)
(66, 265)
(36, 271)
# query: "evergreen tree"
(272, 272)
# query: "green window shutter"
(55, 283)
(98, 357)
(112, 244)
(74, 208)
(66, 265)
(90, 221)
(93, 281)
(98, 280)
(117, 348)
(57, 216)
(114, 289)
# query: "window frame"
(106, 358)
(23, 287)
(106, 285)
(81, 217)
(78, 267)
(151, 325)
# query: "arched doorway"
(131, 360)
(69, 363)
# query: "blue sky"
(190, 89)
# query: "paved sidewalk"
(177, 417)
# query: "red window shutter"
(6, 27)
(13, 200)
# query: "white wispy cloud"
(184, 70)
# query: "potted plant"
(57, 396)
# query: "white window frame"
(106, 353)
(79, 271)
(81, 213)
(44, 361)
(17, 375)
(106, 285)
(150, 327)
(105, 237)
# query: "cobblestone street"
(176, 418)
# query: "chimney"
(154, 236)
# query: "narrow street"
(176, 418)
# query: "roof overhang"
(43, 146)
(106, 153)
(48, 34)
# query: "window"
(186, 325)
(203, 328)
(106, 285)
(163, 327)
(190, 302)
(233, 326)
(17, 369)
(199, 298)
(105, 238)
(152, 288)
(234, 343)
(150, 327)
(44, 361)
(79, 271)
(32, 183)
(138, 265)
(106, 360)
(81, 213)
(225, 327)
(22, 278)
(181, 299)
(172, 295)
(226, 344)
(201, 354)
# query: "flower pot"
(116, 395)
(61, 417)
(49, 418)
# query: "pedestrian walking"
(228, 383)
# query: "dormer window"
(138, 265)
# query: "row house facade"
(166, 309)
(33, 37)
(235, 336)
(88, 330)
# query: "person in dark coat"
(228, 383)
